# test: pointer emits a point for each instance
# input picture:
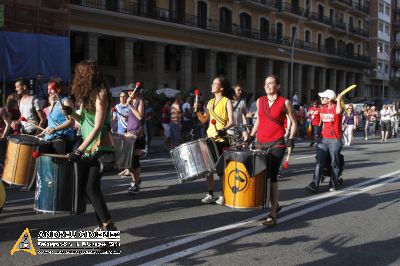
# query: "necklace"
(271, 101)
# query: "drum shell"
(195, 159)
(245, 192)
(124, 150)
(19, 166)
(57, 187)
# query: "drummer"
(60, 127)
(135, 128)
(269, 130)
(220, 109)
(120, 113)
(239, 110)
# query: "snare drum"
(244, 179)
(19, 166)
(124, 150)
(195, 159)
(58, 189)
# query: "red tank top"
(314, 115)
(331, 128)
(270, 130)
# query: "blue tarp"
(26, 54)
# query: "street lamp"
(292, 51)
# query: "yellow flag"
(24, 243)
(343, 93)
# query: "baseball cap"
(330, 94)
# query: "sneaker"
(220, 200)
(208, 199)
(134, 190)
(332, 189)
(366, 138)
(312, 187)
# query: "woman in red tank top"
(270, 131)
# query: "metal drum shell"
(242, 191)
(54, 186)
(124, 150)
(196, 159)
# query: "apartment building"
(312, 45)
(395, 53)
(378, 85)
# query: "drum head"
(27, 140)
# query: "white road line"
(18, 200)
(303, 157)
(259, 227)
(204, 234)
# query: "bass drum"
(244, 179)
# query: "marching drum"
(244, 179)
(195, 159)
(58, 188)
(19, 166)
(124, 150)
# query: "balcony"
(358, 31)
(268, 5)
(338, 27)
(344, 4)
(216, 26)
(315, 17)
(359, 9)
(289, 9)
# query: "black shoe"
(312, 187)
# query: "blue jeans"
(175, 134)
(324, 148)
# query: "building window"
(380, 8)
(293, 33)
(202, 14)
(264, 29)
(380, 27)
(245, 24)
(351, 24)
(241, 70)
(222, 64)
(279, 31)
(107, 52)
(387, 30)
(307, 37)
(380, 47)
(386, 48)
(319, 41)
(225, 20)
(177, 10)
(201, 61)
(387, 10)
(144, 7)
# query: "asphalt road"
(166, 223)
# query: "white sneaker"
(332, 189)
(208, 199)
(220, 200)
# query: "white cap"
(330, 94)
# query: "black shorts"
(140, 143)
(274, 161)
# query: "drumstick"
(196, 101)
(115, 110)
(37, 154)
(23, 119)
(285, 164)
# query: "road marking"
(303, 157)
(210, 232)
(252, 230)
(18, 200)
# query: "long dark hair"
(226, 85)
(88, 84)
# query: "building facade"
(311, 45)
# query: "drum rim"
(189, 142)
(52, 212)
(14, 139)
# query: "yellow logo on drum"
(24, 243)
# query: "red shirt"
(331, 128)
(314, 113)
(269, 131)
(166, 116)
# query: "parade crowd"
(82, 127)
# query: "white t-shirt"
(385, 115)
(186, 108)
(239, 110)
(27, 109)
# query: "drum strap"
(121, 118)
(214, 114)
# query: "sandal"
(270, 221)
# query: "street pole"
(292, 51)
